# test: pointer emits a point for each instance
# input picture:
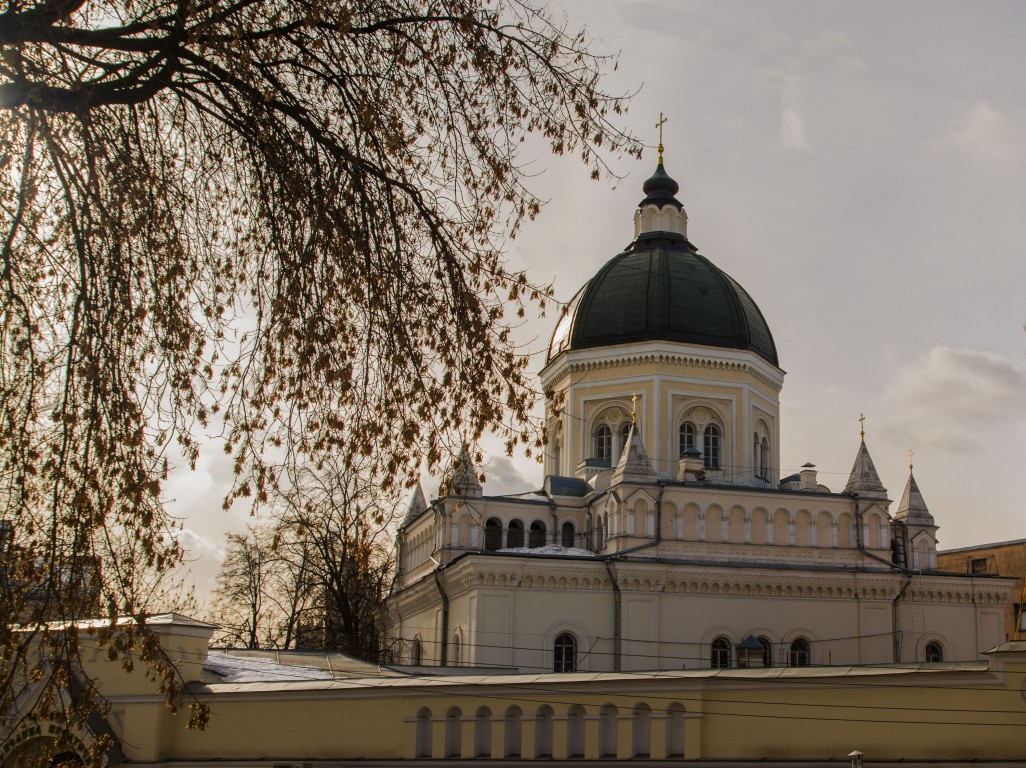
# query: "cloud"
(504, 477)
(951, 396)
(793, 133)
(198, 546)
(826, 43)
(983, 133)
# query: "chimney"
(808, 477)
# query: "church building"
(663, 537)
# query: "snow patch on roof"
(550, 549)
(235, 669)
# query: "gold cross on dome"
(862, 425)
(634, 408)
(910, 461)
(659, 125)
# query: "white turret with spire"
(921, 527)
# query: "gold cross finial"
(862, 426)
(910, 461)
(659, 125)
(634, 408)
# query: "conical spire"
(634, 466)
(912, 508)
(417, 506)
(864, 479)
(464, 480)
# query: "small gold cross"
(910, 461)
(862, 425)
(659, 125)
(634, 408)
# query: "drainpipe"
(859, 544)
(895, 623)
(616, 614)
(658, 527)
(894, 616)
(556, 535)
(617, 596)
(445, 615)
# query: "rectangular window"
(978, 565)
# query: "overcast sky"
(860, 168)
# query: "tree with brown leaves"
(276, 220)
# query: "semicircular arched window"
(515, 534)
(687, 437)
(720, 653)
(493, 534)
(604, 443)
(711, 447)
(564, 653)
(536, 538)
(567, 535)
(801, 653)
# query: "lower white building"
(663, 537)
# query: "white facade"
(664, 537)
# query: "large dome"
(661, 289)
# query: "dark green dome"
(661, 289)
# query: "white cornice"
(669, 353)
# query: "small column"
(527, 738)
(560, 725)
(625, 736)
(498, 737)
(657, 739)
(592, 724)
(438, 737)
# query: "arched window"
(604, 443)
(625, 432)
(453, 732)
(454, 656)
(711, 448)
(575, 731)
(493, 534)
(687, 437)
(720, 653)
(513, 732)
(607, 731)
(767, 651)
(423, 744)
(801, 653)
(543, 732)
(641, 731)
(515, 534)
(934, 652)
(564, 653)
(566, 534)
(483, 733)
(764, 459)
(537, 537)
(675, 730)
(416, 652)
